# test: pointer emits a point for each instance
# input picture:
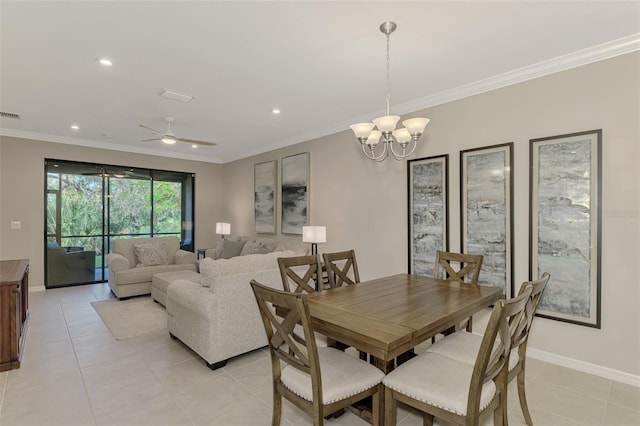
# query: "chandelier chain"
(388, 77)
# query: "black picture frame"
(486, 212)
(428, 211)
(565, 225)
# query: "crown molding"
(22, 134)
(576, 59)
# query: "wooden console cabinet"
(14, 311)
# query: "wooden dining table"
(387, 317)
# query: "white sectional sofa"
(218, 318)
(133, 263)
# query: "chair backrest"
(496, 344)
(285, 345)
(469, 271)
(342, 268)
(292, 270)
(520, 331)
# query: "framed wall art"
(295, 193)
(428, 197)
(264, 197)
(565, 224)
(486, 212)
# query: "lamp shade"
(314, 234)
(223, 228)
(362, 130)
(416, 125)
(386, 123)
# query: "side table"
(201, 252)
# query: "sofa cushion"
(257, 247)
(231, 249)
(211, 270)
(150, 254)
(145, 273)
(125, 247)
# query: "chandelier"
(386, 126)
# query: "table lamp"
(314, 235)
(223, 229)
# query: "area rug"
(133, 317)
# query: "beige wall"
(364, 204)
(22, 185)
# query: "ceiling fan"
(169, 138)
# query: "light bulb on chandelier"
(386, 126)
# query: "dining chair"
(455, 391)
(299, 274)
(342, 268)
(468, 273)
(318, 380)
(300, 271)
(460, 346)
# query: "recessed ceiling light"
(75, 127)
(275, 111)
(194, 146)
(104, 61)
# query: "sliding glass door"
(89, 205)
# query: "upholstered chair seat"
(439, 381)
(342, 376)
(463, 347)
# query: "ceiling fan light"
(416, 125)
(386, 123)
(168, 140)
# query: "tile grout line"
(75, 354)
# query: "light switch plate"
(16, 224)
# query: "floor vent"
(9, 115)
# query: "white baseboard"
(36, 289)
(596, 370)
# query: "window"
(88, 205)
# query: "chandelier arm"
(404, 152)
(372, 155)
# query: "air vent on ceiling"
(165, 93)
(9, 115)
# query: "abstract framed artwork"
(565, 224)
(295, 193)
(264, 197)
(486, 212)
(428, 198)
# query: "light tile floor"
(75, 373)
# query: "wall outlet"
(16, 224)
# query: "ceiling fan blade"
(148, 140)
(150, 129)
(191, 141)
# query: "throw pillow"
(231, 249)
(249, 248)
(263, 248)
(150, 254)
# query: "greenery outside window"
(88, 205)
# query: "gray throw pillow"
(150, 254)
(231, 249)
(249, 248)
